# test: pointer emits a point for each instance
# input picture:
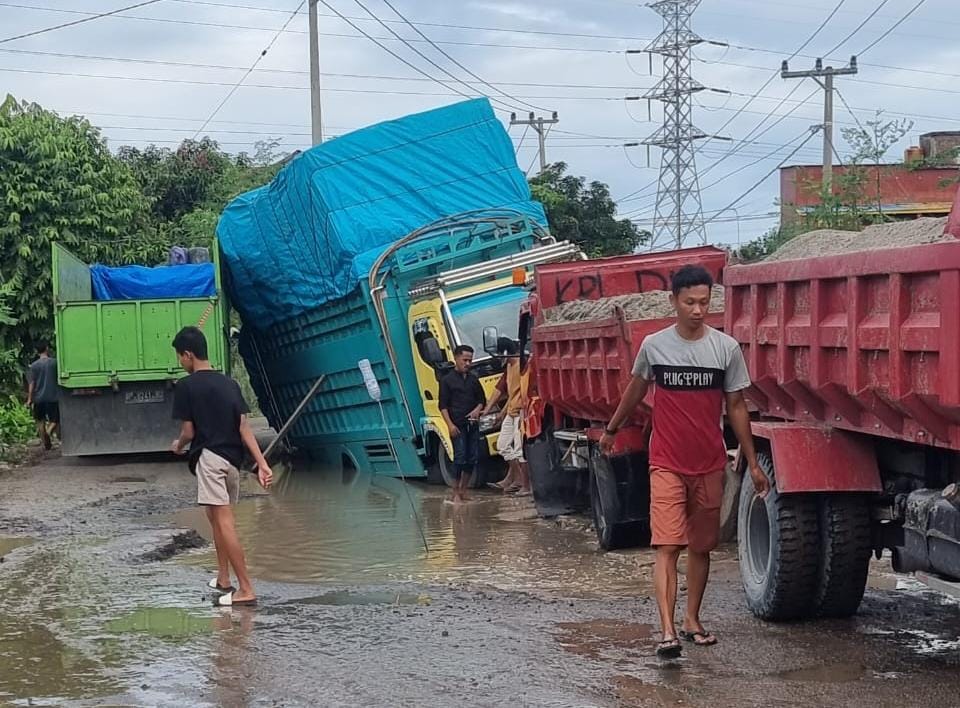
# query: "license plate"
(135, 397)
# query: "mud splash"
(318, 528)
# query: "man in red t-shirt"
(696, 370)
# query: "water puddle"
(319, 528)
(631, 691)
(162, 622)
(12, 543)
(609, 638)
(829, 673)
(343, 598)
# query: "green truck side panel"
(103, 343)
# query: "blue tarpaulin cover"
(294, 244)
(142, 283)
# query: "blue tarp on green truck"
(307, 237)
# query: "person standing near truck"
(43, 394)
(696, 370)
(461, 400)
(513, 385)
(214, 424)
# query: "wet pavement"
(500, 609)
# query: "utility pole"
(679, 214)
(827, 74)
(537, 123)
(316, 108)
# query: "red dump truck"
(855, 362)
(579, 369)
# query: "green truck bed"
(116, 365)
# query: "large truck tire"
(779, 549)
(846, 544)
(613, 505)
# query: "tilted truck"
(393, 244)
(115, 362)
(425, 296)
(579, 367)
(855, 362)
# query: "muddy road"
(102, 603)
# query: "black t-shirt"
(460, 394)
(214, 404)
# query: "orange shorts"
(685, 509)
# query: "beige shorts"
(218, 482)
(510, 442)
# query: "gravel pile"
(651, 305)
(828, 242)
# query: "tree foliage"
(584, 213)
(58, 182)
(187, 188)
(846, 205)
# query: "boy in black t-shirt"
(214, 423)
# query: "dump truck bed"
(867, 341)
(582, 366)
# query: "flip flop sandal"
(700, 639)
(496, 485)
(213, 585)
(669, 649)
(524, 493)
(512, 490)
(228, 601)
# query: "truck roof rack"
(564, 250)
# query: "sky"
(156, 74)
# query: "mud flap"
(556, 489)
(620, 499)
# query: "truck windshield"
(498, 308)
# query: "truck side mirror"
(490, 337)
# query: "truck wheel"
(612, 533)
(846, 545)
(779, 549)
(448, 475)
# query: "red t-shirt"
(691, 378)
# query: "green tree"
(187, 188)
(870, 142)
(58, 182)
(584, 214)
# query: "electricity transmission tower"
(679, 214)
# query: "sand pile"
(828, 242)
(651, 305)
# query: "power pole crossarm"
(538, 123)
(828, 73)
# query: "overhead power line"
(892, 27)
(455, 61)
(423, 56)
(856, 29)
(764, 178)
(391, 52)
(769, 81)
(249, 71)
(91, 18)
